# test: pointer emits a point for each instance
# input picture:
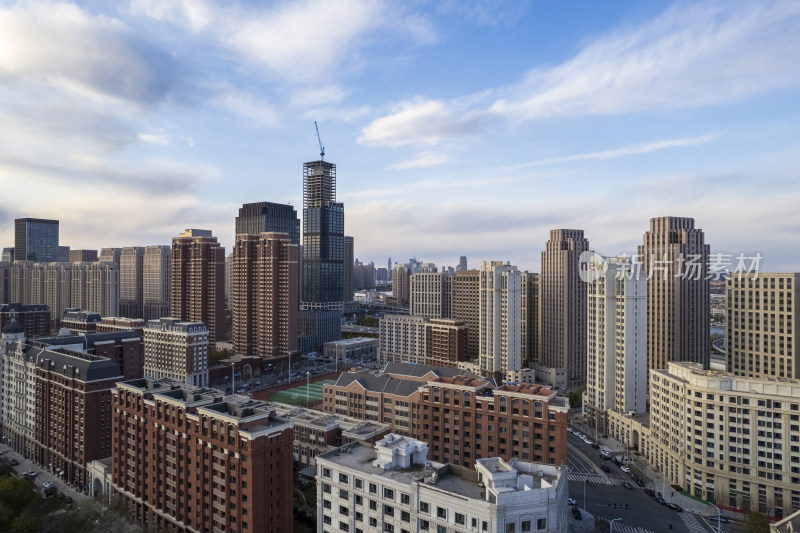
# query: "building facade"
(357, 349)
(402, 338)
(726, 439)
(197, 287)
(36, 239)
(176, 350)
(465, 297)
(499, 306)
(562, 336)
(264, 306)
(390, 486)
(323, 238)
(401, 285)
(33, 319)
(78, 256)
(446, 342)
(189, 459)
(529, 318)
(430, 294)
(156, 277)
(131, 282)
(675, 257)
(259, 217)
(616, 352)
(763, 321)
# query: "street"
(42, 475)
(606, 497)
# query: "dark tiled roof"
(400, 387)
(89, 367)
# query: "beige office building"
(176, 350)
(730, 440)
(131, 282)
(763, 319)
(499, 308)
(401, 285)
(562, 336)
(431, 294)
(265, 298)
(674, 258)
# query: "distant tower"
(131, 279)
(259, 217)
(157, 269)
(562, 340)
(36, 239)
(197, 291)
(323, 238)
(349, 282)
(389, 268)
(462, 263)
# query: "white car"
(571, 501)
(47, 485)
(625, 469)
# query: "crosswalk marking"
(692, 523)
(621, 527)
(595, 478)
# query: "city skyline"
(147, 118)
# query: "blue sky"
(457, 128)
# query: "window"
(405, 499)
(441, 512)
(373, 488)
(373, 522)
(326, 472)
(460, 519)
(511, 528)
(359, 483)
(373, 505)
(342, 478)
(541, 524)
(388, 510)
(424, 507)
(525, 526)
(424, 525)
(343, 494)
(388, 493)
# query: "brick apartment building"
(189, 459)
(468, 418)
(446, 342)
(78, 321)
(112, 323)
(464, 416)
(72, 411)
(34, 319)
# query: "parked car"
(720, 519)
(47, 485)
(675, 507)
(650, 492)
(576, 513)
(627, 485)
(625, 469)
(660, 500)
(64, 498)
(30, 473)
(49, 491)
(605, 468)
(13, 462)
(570, 501)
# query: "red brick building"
(189, 459)
(73, 411)
(446, 342)
(34, 319)
(467, 418)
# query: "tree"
(756, 523)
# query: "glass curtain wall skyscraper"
(36, 239)
(323, 238)
(256, 218)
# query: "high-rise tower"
(499, 307)
(562, 339)
(259, 217)
(197, 290)
(36, 239)
(323, 238)
(674, 256)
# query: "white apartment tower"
(431, 294)
(500, 308)
(402, 339)
(616, 337)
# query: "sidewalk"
(42, 475)
(653, 479)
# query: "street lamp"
(719, 515)
(611, 525)
(308, 375)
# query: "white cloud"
(619, 152)
(695, 55)
(423, 159)
(248, 106)
(421, 122)
(155, 138)
(329, 94)
(95, 57)
(196, 14)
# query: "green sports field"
(297, 395)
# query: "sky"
(457, 127)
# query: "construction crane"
(321, 148)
